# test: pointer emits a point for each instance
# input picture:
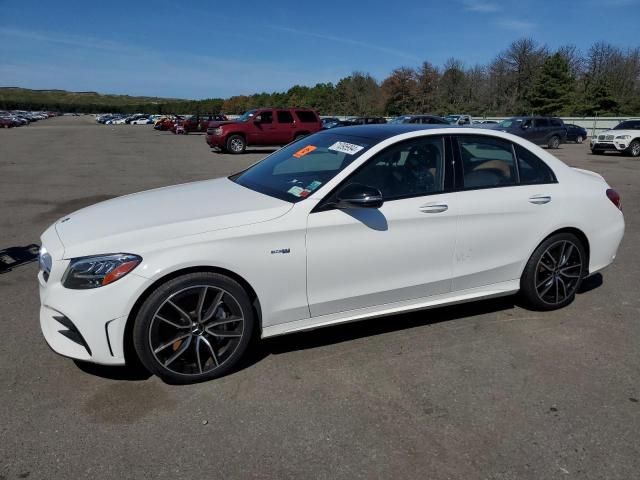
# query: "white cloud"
(515, 25)
(348, 41)
(482, 6)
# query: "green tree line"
(525, 78)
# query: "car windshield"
(452, 118)
(510, 122)
(628, 125)
(246, 116)
(294, 172)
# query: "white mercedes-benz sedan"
(343, 225)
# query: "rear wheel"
(554, 142)
(194, 328)
(579, 139)
(634, 148)
(236, 144)
(554, 272)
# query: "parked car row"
(119, 119)
(19, 118)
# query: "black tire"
(300, 136)
(184, 336)
(554, 142)
(236, 144)
(554, 272)
(634, 148)
(595, 151)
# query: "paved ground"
(487, 391)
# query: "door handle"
(540, 199)
(434, 208)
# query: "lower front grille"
(71, 332)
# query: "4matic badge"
(281, 250)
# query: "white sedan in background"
(343, 225)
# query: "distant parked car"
(459, 119)
(484, 122)
(6, 122)
(421, 119)
(366, 120)
(197, 123)
(575, 133)
(329, 120)
(549, 131)
(623, 138)
(264, 127)
(141, 121)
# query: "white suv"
(625, 137)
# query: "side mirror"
(257, 119)
(356, 195)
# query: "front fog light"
(98, 271)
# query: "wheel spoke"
(217, 301)
(213, 354)
(544, 292)
(564, 287)
(553, 260)
(173, 324)
(185, 316)
(171, 342)
(198, 339)
(557, 290)
(201, 299)
(567, 255)
(547, 267)
(180, 351)
(545, 281)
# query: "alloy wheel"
(236, 145)
(558, 272)
(196, 330)
(635, 149)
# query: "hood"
(615, 133)
(217, 123)
(136, 221)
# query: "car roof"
(382, 131)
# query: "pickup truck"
(263, 127)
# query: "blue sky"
(187, 49)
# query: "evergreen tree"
(553, 87)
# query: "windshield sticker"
(295, 191)
(305, 193)
(313, 185)
(345, 147)
(303, 151)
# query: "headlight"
(217, 131)
(623, 137)
(98, 271)
(45, 262)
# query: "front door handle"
(540, 199)
(434, 208)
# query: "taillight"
(614, 197)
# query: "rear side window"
(533, 171)
(284, 116)
(542, 122)
(486, 162)
(266, 116)
(556, 122)
(306, 116)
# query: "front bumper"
(89, 324)
(611, 145)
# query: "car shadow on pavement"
(368, 328)
(590, 283)
(132, 373)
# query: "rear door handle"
(540, 199)
(434, 208)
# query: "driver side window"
(411, 168)
(266, 116)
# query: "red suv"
(264, 127)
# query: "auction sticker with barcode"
(345, 147)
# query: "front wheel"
(554, 142)
(554, 272)
(236, 144)
(194, 328)
(634, 148)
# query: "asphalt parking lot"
(486, 390)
